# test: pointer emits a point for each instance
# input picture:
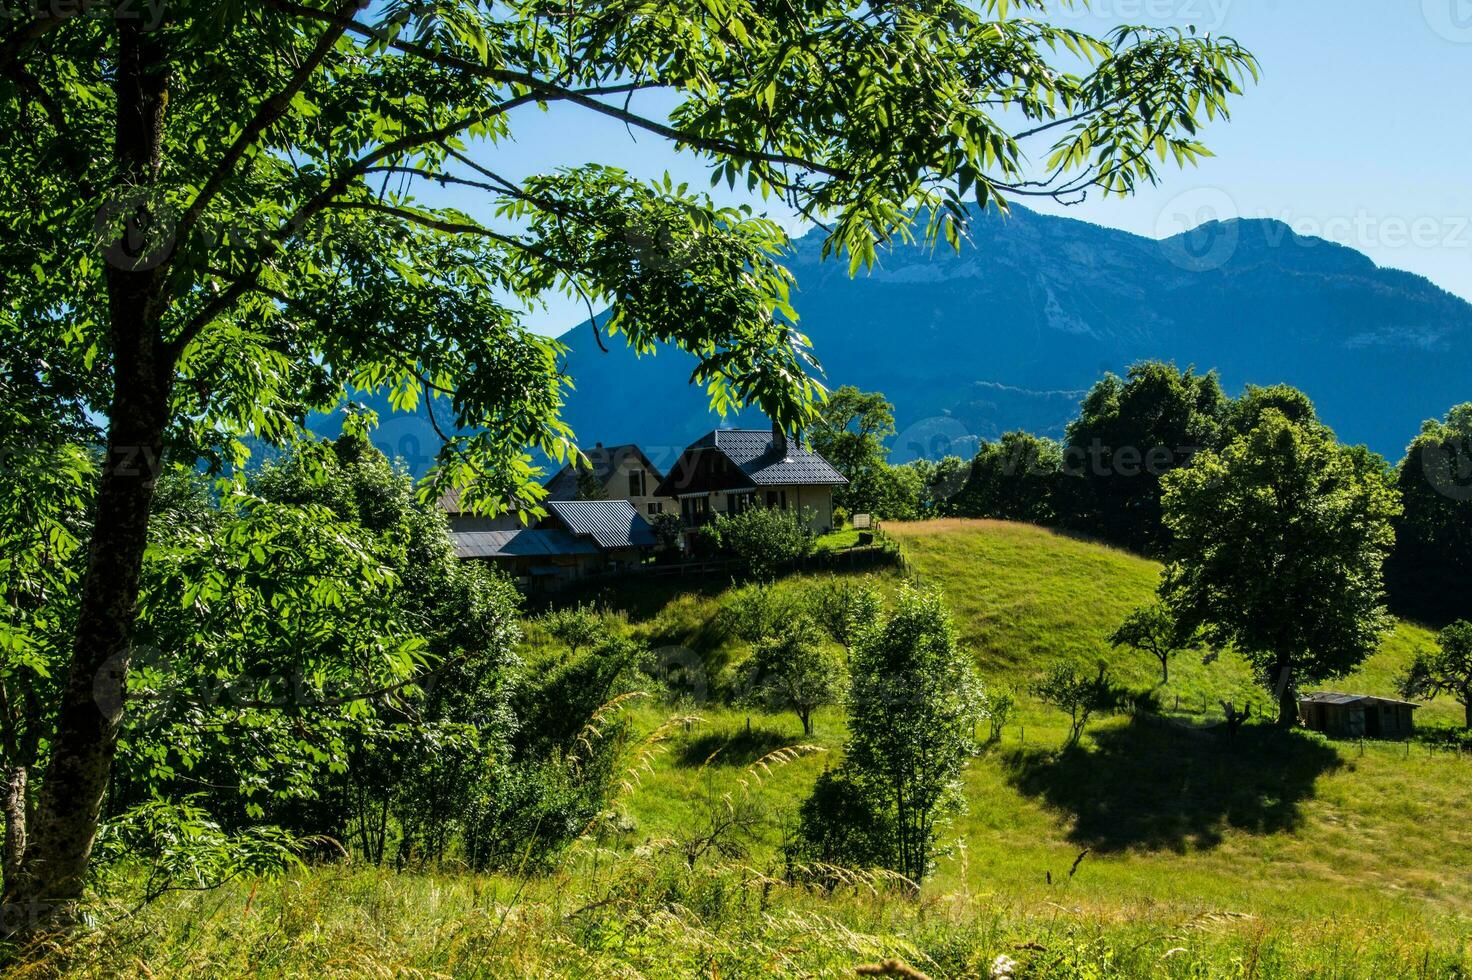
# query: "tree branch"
(269, 112)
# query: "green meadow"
(1154, 847)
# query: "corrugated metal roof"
(1332, 697)
(523, 543)
(611, 523)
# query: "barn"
(1357, 715)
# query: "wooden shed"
(1357, 715)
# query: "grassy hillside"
(1280, 855)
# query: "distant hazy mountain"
(1011, 331)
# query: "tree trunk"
(1467, 712)
(1287, 700)
(1165, 670)
(84, 741)
(15, 830)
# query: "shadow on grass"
(738, 747)
(1149, 785)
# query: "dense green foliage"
(1447, 670)
(214, 227)
(1016, 478)
(913, 700)
(844, 607)
(1278, 545)
(1430, 570)
(764, 540)
(850, 431)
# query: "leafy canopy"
(265, 226)
(1446, 670)
(1279, 540)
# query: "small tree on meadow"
(997, 707)
(1278, 544)
(844, 607)
(1446, 670)
(1151, 629)
(1078, 695)
(792, 672)
(574, 626)
(913, 702)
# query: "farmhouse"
(577, 539)
(619, 473)
(731, 470)
(1357, 715)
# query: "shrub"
(708, 541)
(840, 824)
(765, 540)
(667, 530)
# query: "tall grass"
(1153, 848)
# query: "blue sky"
(1358, 133)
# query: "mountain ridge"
(1036, 308)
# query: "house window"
(777, 498)
(636, 483)
(656, 508)
(695, 511)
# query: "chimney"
(779, 438)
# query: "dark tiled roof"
(523, 543)
(611, 523)
(1331, 697)
(756, 454)
(606, 461)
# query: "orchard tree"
(1446, 671)
(844, 607)
(574, 627)
(213, 228)
(1278, 545)
(792, 672)
(1153, 630)
(1077, 695)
